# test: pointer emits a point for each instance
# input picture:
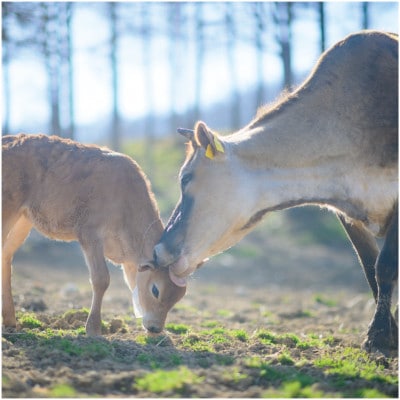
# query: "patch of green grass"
(156, 362)
(80, 331)
(81, 313)
(234, 375)
(289, 339)
(224, 313)
(222, 335)
(303, 314)
(321, 299)
(267, 337)
(179, 329)
(285, 358)
(175, 360)
(29, 320)
(270, 373)
(62, 390)
(266, 371)
(67, 342)
(351, 363)
(240, 334)
(197, 343)
(216, 335)
(293, 389)
(210, 324)
(369, 394)
(292, 382)
(165, 381)
(150, 340)
(92, 348)
(17, 337)
(224, 359)
(292, 340)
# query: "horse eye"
(155, 291)
(185, 180)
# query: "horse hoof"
(379, 346)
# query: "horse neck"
(294, 156)
(300, 132)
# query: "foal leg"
(12, 240)
(383, 332)
(100, 279)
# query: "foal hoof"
(9, 322)
(93, 331)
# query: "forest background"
(127, 74)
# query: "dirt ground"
(325, 298)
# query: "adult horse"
(333, 143)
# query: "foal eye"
(155, 291)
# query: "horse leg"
(383, 332)
(366, 249)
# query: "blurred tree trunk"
(51, 51)
(259, 15)
(147, 32)
(175, 62)
(6, 89)
(322, 27)
(6, 69)
(115, 118)
(199, 59)
(231, 36)
(70, 70)
(365, 15)
(283, 18)
(65, 73)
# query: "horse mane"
(279, 103)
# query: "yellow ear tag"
(209, 152)
(218, 145)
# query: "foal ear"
(208, 140)
(148, 265)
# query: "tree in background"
(6, 11)
(365, 15)
(231, 32)
(114, 46)
(259, 11)
(45, 29)
(322, 25)
(283, 19)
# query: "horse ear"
(208, 140)
(202, 134)
(187, 133)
